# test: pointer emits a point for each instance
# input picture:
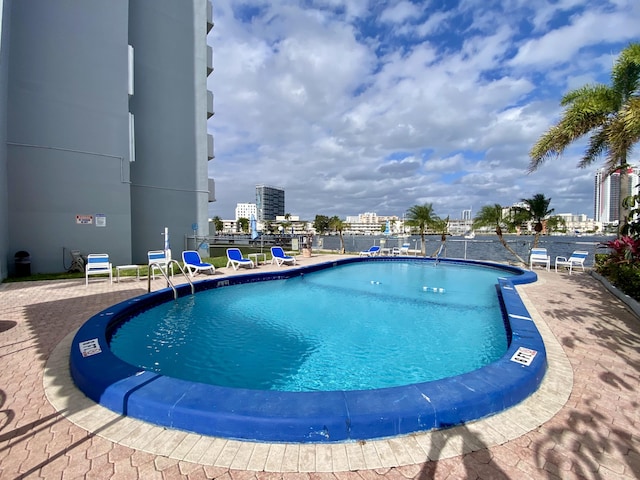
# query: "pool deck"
(583, 423)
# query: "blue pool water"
(353, 327)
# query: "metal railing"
(164, 269)
(482, 247)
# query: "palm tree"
(218, 224)
(556, 224)
(491, 216)
(441, 226)
(243, 224)
(321, 224)
(422, 217)
(338, 225)
(609, 113)
(537, 211)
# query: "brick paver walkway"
(596, 435)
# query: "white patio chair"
(98, 264)
(539, 256)
(576, 259)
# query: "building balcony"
(209, 17)
(209, 104)
(209, 60)
(210, 147)
(212, 190)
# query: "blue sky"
(371, 106)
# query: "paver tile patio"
(594, 435)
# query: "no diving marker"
(90, 347)
(524, 356)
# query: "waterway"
(482, 247)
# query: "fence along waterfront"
(482, 247)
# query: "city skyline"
(241, 208)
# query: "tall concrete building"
(103, 128)
(269, 202)
(607, 194)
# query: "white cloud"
(592, 27)
(401, 12)
(369, 106)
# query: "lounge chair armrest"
(564, 259)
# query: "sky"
(374, 106)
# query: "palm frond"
(598, 146)
(631, 117)
(625, 75)
(587, 108)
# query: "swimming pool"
(307, 416)
(358, 326)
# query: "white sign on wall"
(84, 219)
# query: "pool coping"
(319, 416)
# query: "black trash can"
(22, 261)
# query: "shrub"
(622, 265)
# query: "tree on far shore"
(321, 224)
(339, 226)
(537, 211)
(491, 216)
(422, 217)
(243, 225)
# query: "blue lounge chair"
(278, 256)
(372, 252)
(576, 259)
(235, 259)
(194, 264)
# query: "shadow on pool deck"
(594, 435)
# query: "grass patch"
(217, 262)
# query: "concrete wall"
(5, 11)
(68, 131)
(169, 176)
(64, 129)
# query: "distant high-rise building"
(607, 194)
(245, 210)
(269, 202)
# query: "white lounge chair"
(576, 259)
(372, 252)
(158, 260)
(235, 259)
(194, 264)
(98, 264)
(404, 249)
(278, 256)
(539, 256)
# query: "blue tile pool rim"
(306, 417)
